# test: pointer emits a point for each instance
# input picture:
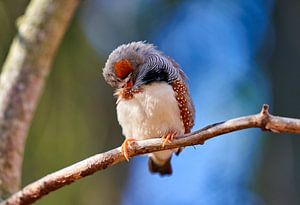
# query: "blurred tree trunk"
(280, 172)
(22, 79)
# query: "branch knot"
(264, 117)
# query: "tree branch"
(68, 175)
(22, 79)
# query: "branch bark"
(68, 175)
(22, 80)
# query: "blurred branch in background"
(68, 175)
(22, 79)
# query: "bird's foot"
(168, 137)
(125, 145)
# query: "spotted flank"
(186, 112)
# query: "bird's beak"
(129, 84)
(119, 92)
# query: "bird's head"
(130, 66)
(123, 64)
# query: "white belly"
(151, 113)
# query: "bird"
(153, 99)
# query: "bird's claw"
(125, 145)
(168, 137)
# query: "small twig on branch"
(65, 176)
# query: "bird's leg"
(125, 147)
(168, 137)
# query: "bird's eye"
(122, 68)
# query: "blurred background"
(237, 54)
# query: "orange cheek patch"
(122, 68)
